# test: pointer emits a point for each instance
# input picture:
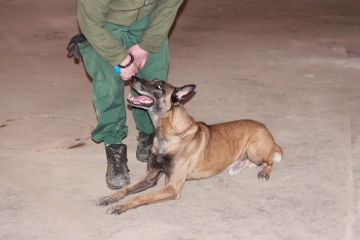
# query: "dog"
(186, 150)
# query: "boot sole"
(142, 158)
(114, 187)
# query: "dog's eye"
(159, 87)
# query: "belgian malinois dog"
(185, 150)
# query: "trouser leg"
(108, 98)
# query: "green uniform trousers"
(108, 87)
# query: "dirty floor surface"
(293, 65)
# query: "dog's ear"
(182, 92)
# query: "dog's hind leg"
(262, 150)
(268, 162)
(275, 155)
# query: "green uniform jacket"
(93, 14)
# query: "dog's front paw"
(105, 201)
(116, 210)
(263, 176)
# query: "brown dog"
(185, 150)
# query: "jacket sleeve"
(161, 20)
(91, 18)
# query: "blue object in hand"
(117, 69)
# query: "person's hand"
(127, 73)
(139, 54)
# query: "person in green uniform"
(131, 34)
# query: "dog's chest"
(162, 156)
(160, 147)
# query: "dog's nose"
(134, 79)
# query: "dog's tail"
(277, 154)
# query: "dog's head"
(157, 96)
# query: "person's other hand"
(127, 73)
(139, 54)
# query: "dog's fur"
(184, 149)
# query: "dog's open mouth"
(140, 101)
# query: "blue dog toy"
(117, 69)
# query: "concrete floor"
(293, 65)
